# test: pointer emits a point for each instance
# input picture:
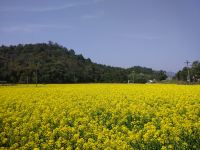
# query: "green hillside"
(52, 63)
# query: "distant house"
(152, 81)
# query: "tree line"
(53, 63)
(190, 73)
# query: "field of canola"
(100, 116)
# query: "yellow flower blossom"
(100, 116)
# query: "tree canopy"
(193, 71)
(54, 63)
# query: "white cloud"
(41, 9)
(32, 28)
(54, 8)
(48, 8)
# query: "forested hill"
(52, 63)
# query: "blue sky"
(160, 34)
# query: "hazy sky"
(161, 34)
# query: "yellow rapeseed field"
(100, 116)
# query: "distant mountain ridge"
(53, 63)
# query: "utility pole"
(188, 75)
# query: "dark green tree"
(57, 64)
